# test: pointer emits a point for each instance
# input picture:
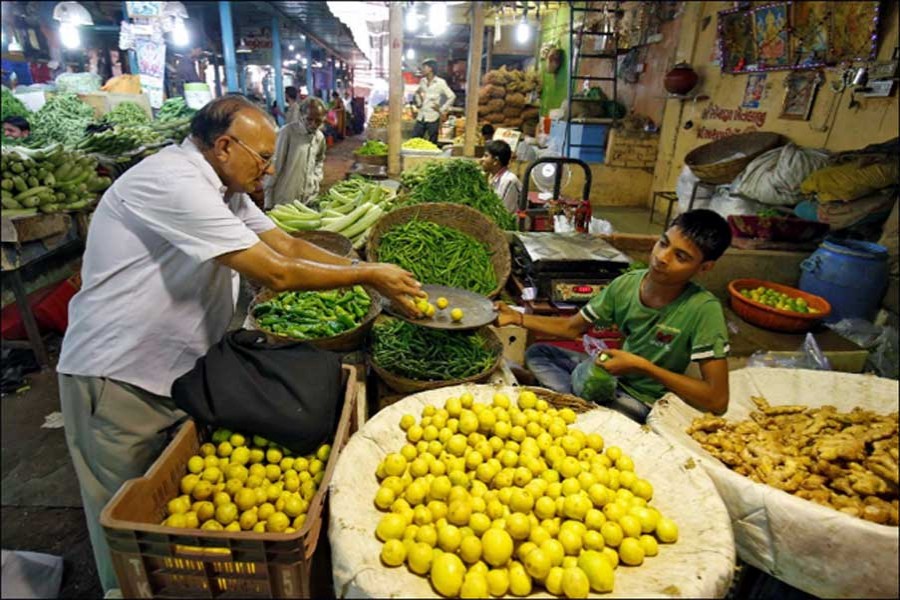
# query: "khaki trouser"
(114, 432)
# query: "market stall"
(567, 408)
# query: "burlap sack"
(496, 105)
(515, 100)
(699, 565)
(512, 111)
(793, 539)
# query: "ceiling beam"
(295, 22)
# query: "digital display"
(582, 289)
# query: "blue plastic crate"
(594, 134)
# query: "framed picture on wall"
(809, 33)
(737, 42)
(799, 95)
(854, 30)
(770, 30)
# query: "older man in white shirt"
(432, 89)
(159, 288)
(299, 157)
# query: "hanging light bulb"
(410, 53)
(297, 57)
(180, 35)
(437, 18)
(69, 35)
(290, 47)
(412, 19)
(523, 31)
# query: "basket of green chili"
(337, 320)
(409, 358)
(443, 244)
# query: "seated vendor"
(668, 321)
(16, 127)
(505, 183)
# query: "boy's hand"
(619, 362)
(506, 315)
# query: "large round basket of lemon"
(477, 490)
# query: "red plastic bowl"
(768, 317)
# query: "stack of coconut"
(503, 99)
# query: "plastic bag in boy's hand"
(593, 383)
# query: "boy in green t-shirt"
(668, 321)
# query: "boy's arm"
(561, 327)
(708, 394)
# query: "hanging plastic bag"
(591, 381)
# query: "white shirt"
(507, 185)
(299, 165)
(153, 299)
(431, 99)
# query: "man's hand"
(619, 362)
(506, 315)
(398, 285)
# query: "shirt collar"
(192, 153)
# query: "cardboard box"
(514, 340)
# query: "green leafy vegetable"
(457, 181)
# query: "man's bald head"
(217, 117)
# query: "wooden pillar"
(395, 99)
(473, 77)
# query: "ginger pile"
(847, 461)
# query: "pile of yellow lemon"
(489, 500)
(241, 484)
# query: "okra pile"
(50, 180)
(313, 315)
(439, 255)
(428, 354)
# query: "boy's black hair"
(20, 122)
(291, 92)
(707, 230)
(487, 130)
(499, 150)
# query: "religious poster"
(753, 93)
(738, 45)
(799, 95)
(854, 28)
(809, 33)
(770, 29)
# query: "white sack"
(774, 177)
(699, 565)
(815, 548)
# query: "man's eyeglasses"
(264, 163)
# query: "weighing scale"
(566, 267)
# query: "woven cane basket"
(706, 162)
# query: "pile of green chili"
(313, 315)
(429, 354)
(439, 255)
(457, 181)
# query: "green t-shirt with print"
(691, 327)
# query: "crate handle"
(203, 551)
